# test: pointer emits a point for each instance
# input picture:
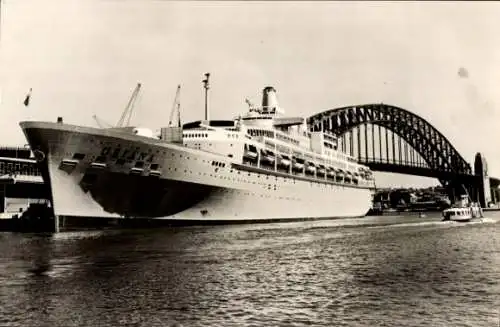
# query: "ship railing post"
(304, 165)
(275, 160)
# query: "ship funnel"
(270, 101)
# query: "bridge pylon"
(483, 180)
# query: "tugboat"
(463, 210)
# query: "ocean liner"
(259, 166)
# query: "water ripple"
(377, 271)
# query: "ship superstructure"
(259, 166)
(266, 139)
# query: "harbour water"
(375, 271)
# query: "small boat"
(463, 211)
(250, 152)
(267, 157)
(298, 164)
(284, 161)
(311, 168)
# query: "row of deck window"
(195, 135)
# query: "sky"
(440, 60)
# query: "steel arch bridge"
(416, 148)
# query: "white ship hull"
(194, 185)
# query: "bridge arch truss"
(431, 153)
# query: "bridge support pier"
(481, 173)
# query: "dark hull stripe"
(70, 223)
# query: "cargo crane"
(129, 108)
(101, 123)
(176, 108)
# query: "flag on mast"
(27, 100)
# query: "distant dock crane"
(127, 113)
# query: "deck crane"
(101, 123)
(129, 108)
(176, 107)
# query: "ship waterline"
(193, 185)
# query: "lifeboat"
(362, 173)
(267, 156)
(298, 164)
(348, 176)
(340, 174)
(355, 178)
(284, 161)
(311, 168)
(250, 152)
(321, 170)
